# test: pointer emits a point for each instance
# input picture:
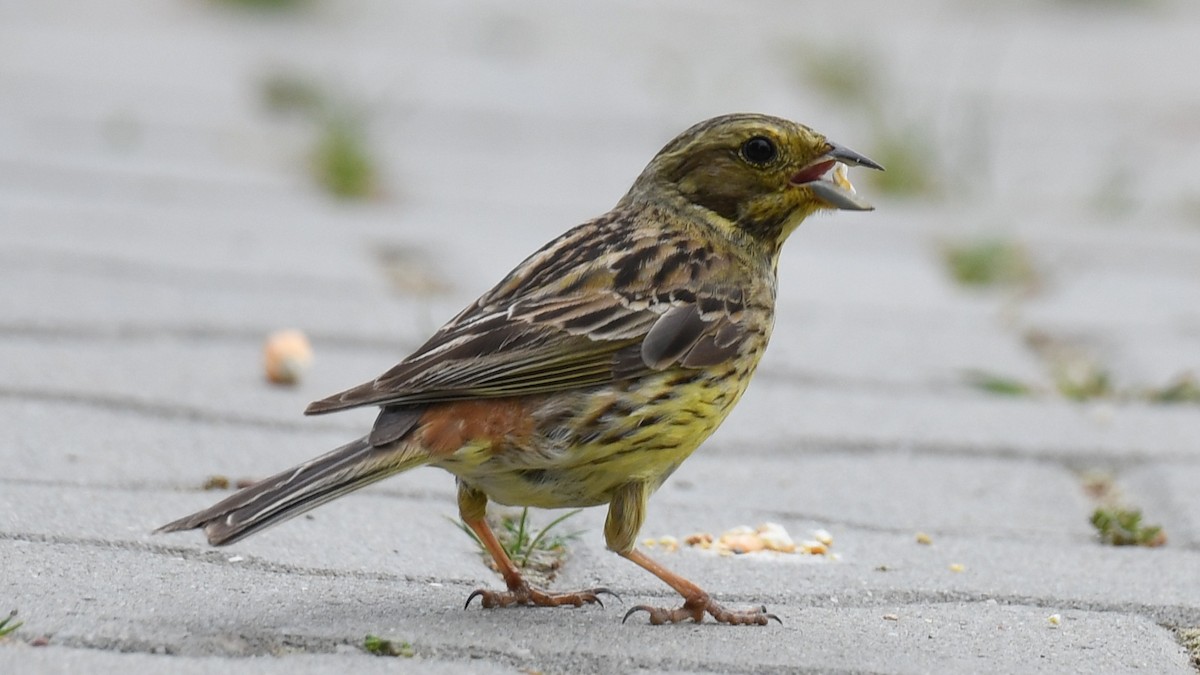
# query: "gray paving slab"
(909, 492)
(1099, 433)
(238, 611)
(116, 442)
(403, 533)
(156, 221)
(1168, 495)
(50, 659)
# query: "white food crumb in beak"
(840, 178)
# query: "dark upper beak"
(847, 156)
(835, 189)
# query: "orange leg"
(626, 512)
(696, 601)
(519, 592)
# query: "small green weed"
(373, 644)
(1117, 523)
(1083, 380)
(989, 263)
(533, 550)
(1190, 639)
(1075, 368)
(1123, 527)
(341, 160)
(997, 384)
(846, 75)
(1079, 374)
(215, 482)
(1184, 389)
(8, 625)
(905, 152)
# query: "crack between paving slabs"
(128, 331)
(164, 411)
(216, 557)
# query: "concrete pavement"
(157, 221)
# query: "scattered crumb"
(215, 482)
(958, 567)
(744, 539)
(891, 617)
(1055, 620)
(40, 641)
(775, 538)
(244, 482)
(813, 547)
(741, 539)
(287, 356)
(923, 538)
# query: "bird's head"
(760, 174)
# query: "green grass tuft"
(1190, 639)
(267, 5)
(8, 625)
(1120, 526)
(905, 154)
(988, 263)
(373, 644)
(1184, 389)
(538, 550)
(997, 384)
(341, 160)
(1083, 380)
(845, 75)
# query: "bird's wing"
(583, 311)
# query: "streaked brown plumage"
(590, 372)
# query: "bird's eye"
(759, 151)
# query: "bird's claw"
(695, 609)
(535, 597)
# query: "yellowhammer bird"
(596, 367)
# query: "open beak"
(826, 177)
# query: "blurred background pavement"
(1008, 346)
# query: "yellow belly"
(590, 442)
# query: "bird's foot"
(527, 595)
(695, 608)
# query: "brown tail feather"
(290, 493)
